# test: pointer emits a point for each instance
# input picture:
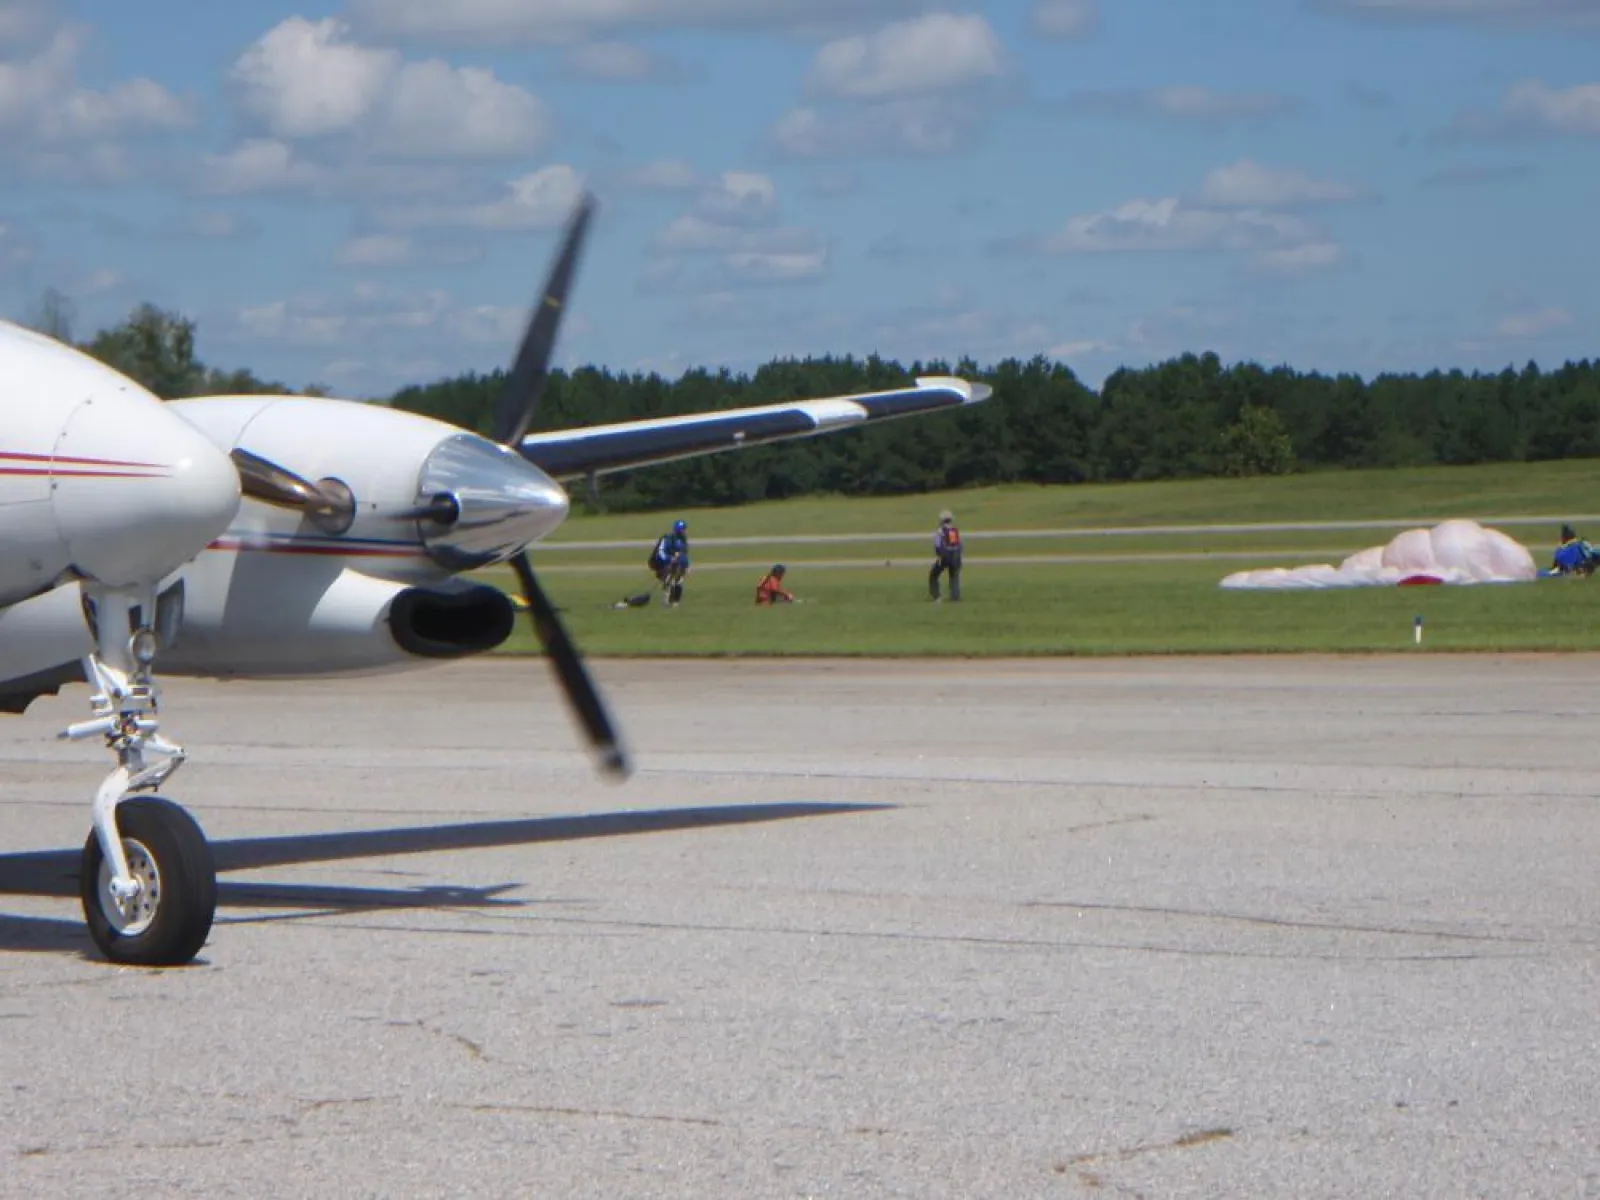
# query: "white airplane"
(286, 536)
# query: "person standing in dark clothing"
(946, 557)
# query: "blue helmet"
(679, 526)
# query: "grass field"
(1432, 493)
(1127, 593)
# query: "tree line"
(1188, 417)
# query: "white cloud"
(1534, 324)
(269, 165)
(136, 106)
(375, 250)
(1149, 226)
(305, 80)
(538, 200)
(1250, 184)
(278, 321)
(1272, 243)
(1533, 107)
(372, 338)
(768, 267)
(259, 165)
(495, 324)
(1184, 102)
(373, 313)
(735, 221)
(619, 62)
(1065, 18)
(41, 103)
(915, 88)
(1526, 13)
(497, 22)
(918, 127)
(936, 53)
(301, 79)
(1536, 105)
(738, 198)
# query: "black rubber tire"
(187, 901)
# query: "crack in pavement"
(1079, 1163)
(622, 926)
(1286, 923)
(556, 1110)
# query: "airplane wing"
(601, 449)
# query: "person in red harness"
(946, 557)
(770, 589)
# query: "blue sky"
(367, 194)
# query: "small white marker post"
(1416, 630)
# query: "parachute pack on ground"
(1451, 552)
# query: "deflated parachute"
(1452, 552)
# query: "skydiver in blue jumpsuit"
(1575, 556)
(669, 560)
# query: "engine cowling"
(318, 618)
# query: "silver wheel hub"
(132, 916)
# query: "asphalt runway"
(1205, 927)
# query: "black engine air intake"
(451, 622)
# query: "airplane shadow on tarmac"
(54, 873)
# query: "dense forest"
(1187, 417)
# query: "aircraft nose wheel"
(167, 921)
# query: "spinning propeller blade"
(569, 669)
(514, 411)
(513, 414)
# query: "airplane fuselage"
(98, 479)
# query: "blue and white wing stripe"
(599, 449)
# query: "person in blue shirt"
(669, 560)
(1575, 556)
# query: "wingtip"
(971, 393)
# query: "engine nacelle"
(319, 618)
(425, 499)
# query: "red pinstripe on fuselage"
(17, 463)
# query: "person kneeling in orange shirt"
(770, 589)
